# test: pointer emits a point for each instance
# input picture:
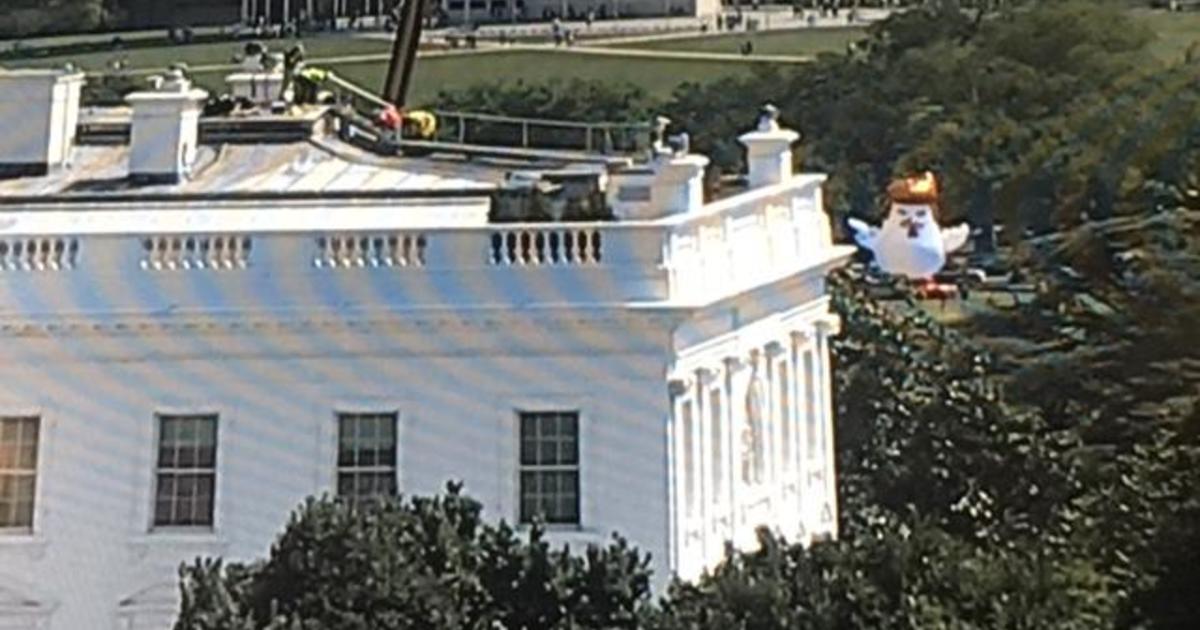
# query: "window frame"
(715, 438)
(156, 469)
(397, 423)
(519, 468)
(689, 445)
(813, 437)
(784, 403)
(39, 421)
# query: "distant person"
(747, 47)
(720, 22)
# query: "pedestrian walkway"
(647, 29)
(690, 55)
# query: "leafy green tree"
(924, 430)
(423, 562)
(24, 18)
(903, 575)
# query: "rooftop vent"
(38, 113)
(164, 130)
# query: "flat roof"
(314, 166)
(249, 156)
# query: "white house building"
(206, 323)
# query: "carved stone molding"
(677, 387)
(171, 324)
(828, 325)
(803, 335)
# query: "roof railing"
(483, 129)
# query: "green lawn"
(790, 42)
(1176, 32)
(205, 54)
(657, 76)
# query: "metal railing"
(540, 133)
(474, 128)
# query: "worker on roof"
(308, 81)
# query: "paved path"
(779, 20)
(642, 29)
(666, 54)
(496, 49)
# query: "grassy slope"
(657, 76)
(1176, 32)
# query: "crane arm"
(404, 53)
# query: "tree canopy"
(1034, 466)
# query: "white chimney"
(672, 183)
(260, 83)
(39, 110)
(769, 149)
(165, 130)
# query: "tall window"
(811, 419)
(18, 471)
(689, 457)
(754, 457)
(187, 470)
(715, 413)
(550, 466)
(785, 413)
(366, 455)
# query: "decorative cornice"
(424, 321)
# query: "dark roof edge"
(257, 195)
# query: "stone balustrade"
(696, 257)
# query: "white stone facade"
(684, 355)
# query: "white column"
(800, 465)
(287, 12)
(774, 431)
(826, 328)
(708, 381)
(736, 381)
(675, 478)
(686, 545)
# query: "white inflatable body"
(910, 243)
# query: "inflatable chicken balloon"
(910, 242)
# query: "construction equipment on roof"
(415, 124)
